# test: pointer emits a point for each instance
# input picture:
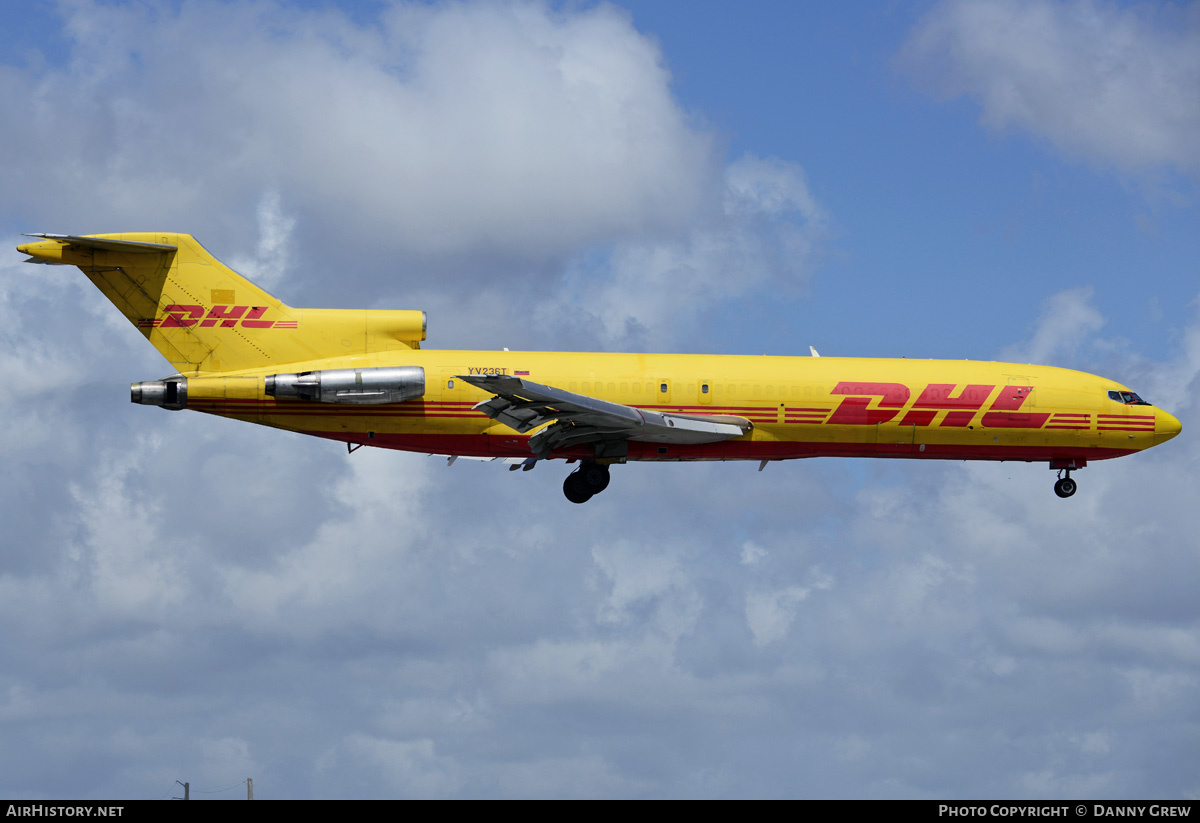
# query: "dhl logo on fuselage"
(863, 404)
(180, 315)
(960, 409)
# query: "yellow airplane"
(361, 377)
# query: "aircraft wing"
(524, 405)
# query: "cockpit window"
(1127, 397)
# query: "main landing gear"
(590, 478)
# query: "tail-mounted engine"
(170, 393)
(362, 387)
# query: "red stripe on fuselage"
(516, 445)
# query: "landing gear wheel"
(1065, 487)
(589, 479)
(593, 477)
(574, 489)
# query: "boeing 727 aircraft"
(361, 377)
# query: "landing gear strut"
(589, 479)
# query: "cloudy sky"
(185, 598)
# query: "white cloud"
(523, 170)
(1155, 688)
(1093, 743)
(583, 776)
(412, 768)
(646, 294)
(1068, 320)
(1049, 783)
(642, 582)
(128, 575)
(270, 261)
(1115, 84)
(382, 624)
(502, 127)
(752, 553)
(769, 614)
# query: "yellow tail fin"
(202, 316)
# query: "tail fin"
(204, 317)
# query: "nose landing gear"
(589, 479)
(1065, 486)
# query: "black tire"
(574, 489)
(1065, 487)
(593, 477)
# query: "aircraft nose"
(1166, 426)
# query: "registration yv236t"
(361, 377)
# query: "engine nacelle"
(364, 387)
(170, 393)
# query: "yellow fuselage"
(800, 406)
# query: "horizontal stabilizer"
(127, 246)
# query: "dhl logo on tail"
(227, 317)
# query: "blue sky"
(187, 598)
(922, 198)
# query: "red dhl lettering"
(1011, 398)
(252, 320)
(853, 410)
(939, 396)
(958, 419)
(180, 315)
(227, 316)
(1004, 412)
(918, 418)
